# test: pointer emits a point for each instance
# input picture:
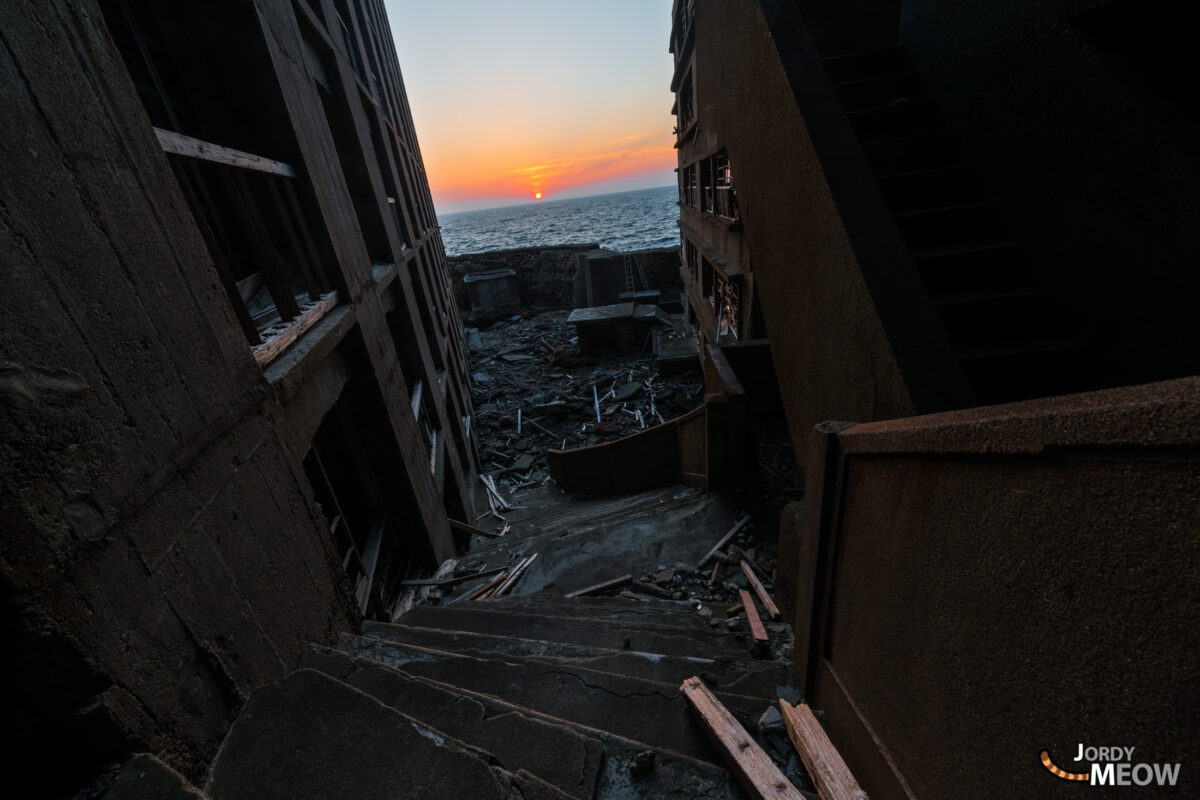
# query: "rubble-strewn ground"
(533, 391)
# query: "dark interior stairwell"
(1013, 340)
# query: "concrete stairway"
(536, 696)
(1013, 340)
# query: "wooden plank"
(443, 571)
(756, 627)
(741, 523)
(405, 604)
(189, 147)
(599, 587)
(753, 767)
(269, 350)
(471, 529)
(481, 591)
(370, 560)
(824, 763)
(433, 582)
(514, 576)
(764, 598)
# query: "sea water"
(624, 221)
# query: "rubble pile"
(534, 392)
(713, 588)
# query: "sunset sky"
(565, 97)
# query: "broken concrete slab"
(737, 675)
(621, 775)
(646, 637)
(144, 777)
(639, 709)
(558, 755)
(311, 736)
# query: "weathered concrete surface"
(310, 736)
(157, 522)
(555, 753)
(144, 777)
(738, 675)
(581, 541)
(1030, 572)
(853, 332)
(625, 770)
(646, 637)
(151, 512)
(639, 709)
(546, 275)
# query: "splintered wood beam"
(822, 760)
(514, 576)
(189, 147)
(754, 769)
(480, 591)
(405, 604)
(599, 587)
(436, 582)
(471, 529)
(266, 352)
(764, 598)
(756, 627)
(741, 523)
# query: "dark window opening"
(725, 195)
(368, 504)
(212, 108)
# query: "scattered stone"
(733, 623)
(771, 721)
(676, 595)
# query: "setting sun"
(537, 196)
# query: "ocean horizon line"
(548, 202)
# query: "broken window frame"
(725, 196)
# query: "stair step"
(144, 777)
(758, 678)
(670, 614)
(866, 64)
(616, 635)
(635, 708)
(949, 227)
(570, 605)
(912, 153)
(880, 91)
(933, 188)
(996, 266)
(618, 777)
(558, 755)
(311, 736)
(895, 121)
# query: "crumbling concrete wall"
(154, 520)
(546, 275)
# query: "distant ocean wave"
(624, 221)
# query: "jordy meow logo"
(1113, 766)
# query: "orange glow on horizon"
(506, 169)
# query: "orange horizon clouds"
(537, 96)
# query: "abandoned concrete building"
(923, 208)
(918, 449)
